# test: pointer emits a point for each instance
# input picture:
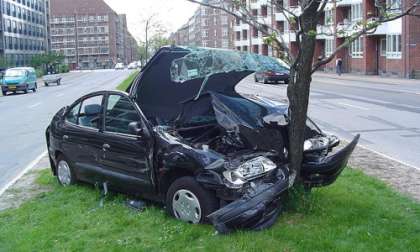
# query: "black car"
(183, 136)
(273, 76)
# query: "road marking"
(35, 105)
(353, 106)
(27, 168)
(59, 95)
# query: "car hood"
(177, 74)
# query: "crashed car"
(184, 137)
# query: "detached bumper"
(257, 209)
(326, 170)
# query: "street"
(386, 115)
(24, 118)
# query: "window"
(356, 12)
(329, 46)
(90, 112)
(357, 48)
(393, 46)
(382, 47)
(120, 112)
(393, 5)
(328, 17)
(73, 114)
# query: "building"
(207, 28)
(25, 29)
(89, 33)
(392, 50)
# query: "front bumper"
(13, 88)
(325, 171)
(257, 209)
(277, 78)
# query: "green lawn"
(126, 83)
(357, 213)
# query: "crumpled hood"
(176, 74)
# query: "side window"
(73, 114)
(120, 112)
(90, 112)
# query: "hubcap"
(186, 206)
(63, 173)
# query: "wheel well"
(171, 176)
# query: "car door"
(82, 137)
(127, 156)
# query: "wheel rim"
(63, 173)
(186, 206)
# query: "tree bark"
(299, 88)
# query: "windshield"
(202, 63)
(15, 73)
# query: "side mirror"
(135, 128)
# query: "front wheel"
(4, 93)
(188, 201)
(46, 84)
(26, 89)
(35, 88)
(286, 82)
(58, 82)
(65, 174)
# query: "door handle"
(105, 147)
(65, 137)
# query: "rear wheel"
(26, 89)
(189, 201)
(65, 174)
(265, 81)
(35, 88)
(46, 84)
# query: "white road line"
(353, 106)
(35, 105)
(59, 95)
(27, 168)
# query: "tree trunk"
(299, 87)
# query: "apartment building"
(392, 50)
(207, 28)
(25, 29)
(90, 34)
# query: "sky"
(172, 14)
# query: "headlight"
(248, 170)
(316, 144)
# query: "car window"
(73, 114)
(90, 112)
(120, 112)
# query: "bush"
(64, 68)
(39, 72)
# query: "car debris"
(184, 137)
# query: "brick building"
(207, 28)
(90, 34)
(24, 30)
(392, 50)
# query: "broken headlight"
(315, 144)
(248, 170)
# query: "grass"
(127, 82)
(357, 213)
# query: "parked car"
(19, 79)
(133, 65)
(280, 74)
(207, 152)
(52, 78)
(119, 66)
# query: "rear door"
(126, 156)
(82, 137)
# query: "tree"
(46, 60)
(304, 20)
(153, 28)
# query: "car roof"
(23, 68)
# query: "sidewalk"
(366, 78)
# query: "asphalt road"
(387, 116)
(24, 118)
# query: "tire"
(46, 84)
(265, 81)
(65, 174)
(58, 82)
(4, 93)
(286, 82)
(35, 88)
(26, 89)
(189, 187)
(255, 78)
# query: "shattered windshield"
(202, 63)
